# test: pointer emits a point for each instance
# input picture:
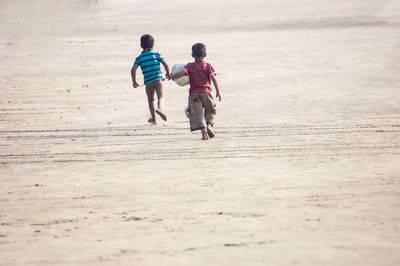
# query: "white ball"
(182, 81)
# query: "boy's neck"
(198, 59)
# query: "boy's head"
(198, 50)
(146, 41)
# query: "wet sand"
(303, 169)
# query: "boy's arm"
(177, 75)
(215, 82)
(133, 75)
(167, 73)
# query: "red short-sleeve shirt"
(200, 76)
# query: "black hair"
(198, 50)
(146, 41)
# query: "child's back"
(201, 102)
(149, 61)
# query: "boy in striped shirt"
(149, 61)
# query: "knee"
(211, 112)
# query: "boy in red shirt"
(201, 102)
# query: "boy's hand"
(135, 84)
(168, 76)
(218, 96)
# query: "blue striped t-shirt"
(149, 62)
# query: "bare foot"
(204, 134)
(210, 132)
(161, 114)
(152, 121)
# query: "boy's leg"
(150, 99)
(196, 116)
(210, 132)
(204, 135)
(209, 113)
(159, 88)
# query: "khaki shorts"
(201, 110)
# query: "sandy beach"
(304, 168)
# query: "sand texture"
(304, 168)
